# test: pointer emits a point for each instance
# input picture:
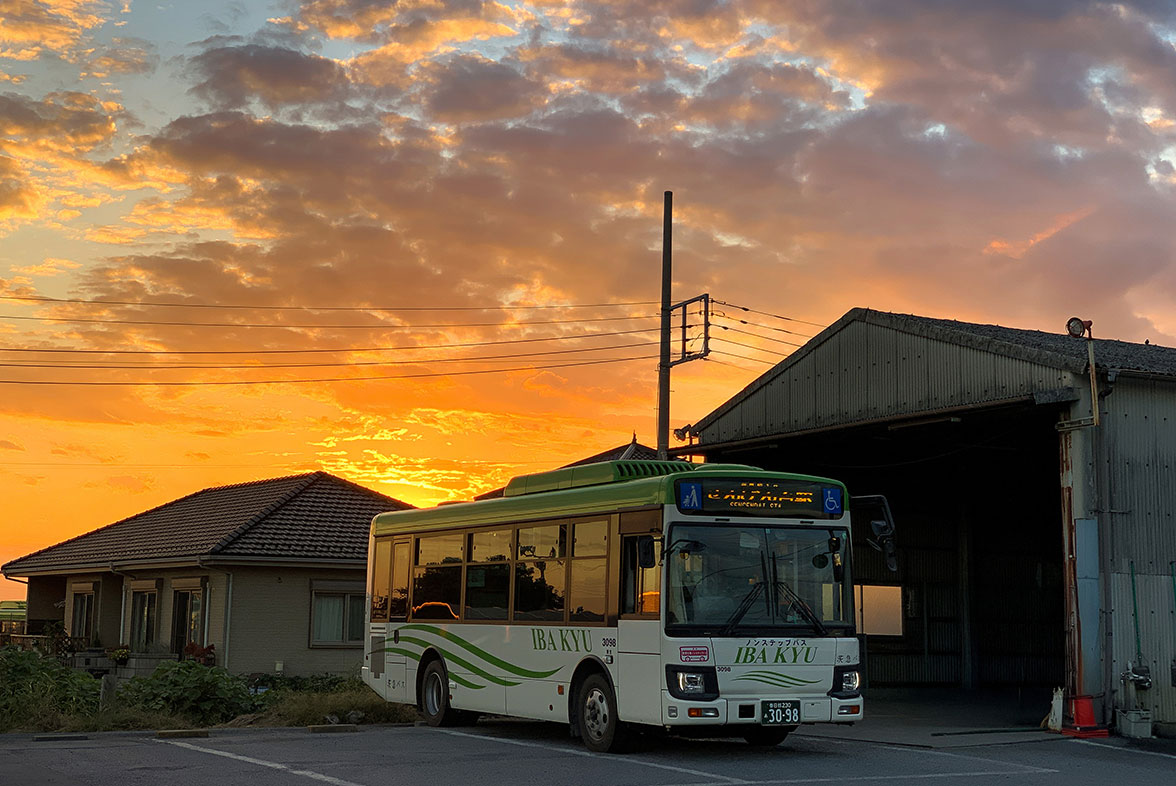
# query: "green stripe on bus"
(773, 678)
(454, 677)
(518, 671)
(459, 660)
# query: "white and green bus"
(699, 598)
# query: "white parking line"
(927, 752)
(873, 778)
(716, 778)
(316, 776)
(1125, 750)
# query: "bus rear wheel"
(597, 715)
(435, 696)
(767, 736)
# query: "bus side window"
(398, 601)
(640, 587)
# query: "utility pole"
(668, 307)
(663, 366)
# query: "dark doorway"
(976, 500)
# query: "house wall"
(46, 597)
(107, 609)
(215, 589)
(271, 619)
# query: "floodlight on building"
(1078, 328)
(1081, 328)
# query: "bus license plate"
(780, 713)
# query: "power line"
(326, 379)
(382, 326)
(575, 337)
(178, 304)
(728, 365)
(768, 314)
(751, 346)
(757, 335)
(742, 357)
(721, 315)
(193, 366)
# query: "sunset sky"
(430, 187)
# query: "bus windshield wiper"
(741, 609)
(806, 610)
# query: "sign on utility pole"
(667, 313)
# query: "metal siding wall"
(1157, 628)
(1140, 435)
(867, 372)
(1141, 451)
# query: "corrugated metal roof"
(1056, 350)
(315, 516)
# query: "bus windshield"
(725, 580)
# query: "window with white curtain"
(338, 616)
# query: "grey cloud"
(470, 88)
(232, 76)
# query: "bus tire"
(767, 736)
(435, 696)
(596, 715)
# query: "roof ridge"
(307, 481)
(364, 489)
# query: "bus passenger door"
(638, 675)
(395, 660)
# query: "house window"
(338, 614)
(143, 606)
(187, 619)
(82, 622)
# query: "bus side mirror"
(881, 529)
(646, 557)
(884, 541)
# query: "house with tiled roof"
(270, 573)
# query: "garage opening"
(978, 599)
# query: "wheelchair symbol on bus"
(832, 501)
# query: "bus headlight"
(850, 681)
(695, 683)
(690, 682)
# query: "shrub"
(319, 683)
(36, 691)
(203, 694)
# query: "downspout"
(228, 611)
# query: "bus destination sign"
(786, 498)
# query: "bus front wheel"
(767, 736)
(597, 708)
(435, 696)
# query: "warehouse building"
(1037, 546)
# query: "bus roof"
(604, 487)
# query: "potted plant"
(119, 655)
(205, 656)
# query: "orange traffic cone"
(1082, 720)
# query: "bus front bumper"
(747, 711)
